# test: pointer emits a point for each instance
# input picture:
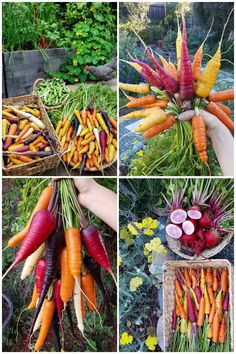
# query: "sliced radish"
(194, 213)
(188, 227)
(178, 216)
(174, 231)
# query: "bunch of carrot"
(200, 319)
(24, 134)
(171, 90)
(89, 139)
(54, 246)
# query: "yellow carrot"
(141, 113)
(140, 88)
(153, 119)
(58, 126)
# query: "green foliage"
(24, 23)
(91, 35)
(136, 18)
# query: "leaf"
(99, 17)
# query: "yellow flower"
(150, 259)
(125, 338)
(120, 260)
(135, 283)
(140, 153)
(138, 224)
(155, 246)
(148, 232)
(76, 79)
(134, 142)
(145, 251)
(151, 342)
(132, 229)
(126, 236)
(75, 63)
(149, 223)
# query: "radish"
(187, 240)
(42, 225)
(206, 219)
(212, 238)
(178, 216)
(189, 226)
(174, 231)
(194, 213)
(199, 246)
(200, 235)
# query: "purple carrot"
(22, 149)
(186, 89)
(226, 302)
(11, 120)
(191, 310)
(174, 320)
(42, 147)
(149, 74)
(198, 293)
(103, 142)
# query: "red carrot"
(58, 302)
(102, 140)
(39, 274)
(186, 88)
(42, 225)
(191, 310)
(149, 74)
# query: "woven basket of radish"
(198, 306)
(177, 97)
(203, 226)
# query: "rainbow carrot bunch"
(201, 313)
(55, 243)
(24, 135)
(89, 139)
(171, 90)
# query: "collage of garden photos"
(117, 176)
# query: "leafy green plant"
(91, 35)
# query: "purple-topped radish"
(212, 238)
(178, 216)
(188, 240)
(189, 226)
(194, 213)
(206, 219)
(174, 231)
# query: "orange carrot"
(213, 311)
(159, 103)
(221, 115)
(221, 95)
(225, 108)
(84, 117)
(187, 278)
(215, 328)
(113, 122)
(159, 128)
(34, 299)
(224, 280)
(178, 289)
(199, 137)
(88, 287)
(210, 294)
(201, 313)
(12, 131)
(193, 275)
(41, 205)
(48, 311)
(69, 133)
(209, 277)
(25, 158)
(74, 249)
(215, 280)
(65, 119)
(222, 331)
(67, 280)
(219, 303)
(140, 101)
(196, 65)
(22, 133)
(182, 313)
(95, 161)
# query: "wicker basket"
(46, 163)
(175, 246)
(169, 291)
(49, 108)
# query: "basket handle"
(36, 82)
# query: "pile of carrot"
(64, 255)
(171, 91)
(24, 135)
(200, 319)
(89, 139)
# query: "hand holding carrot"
(221, 138)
